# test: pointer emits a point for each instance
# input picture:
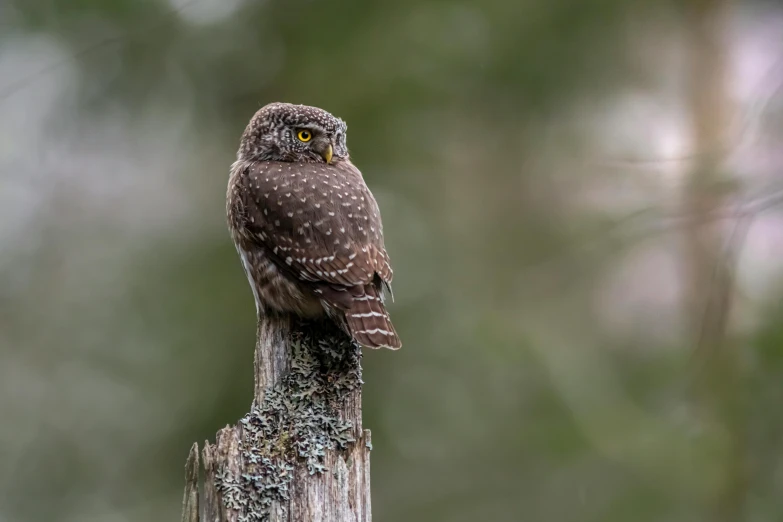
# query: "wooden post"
(300, 454)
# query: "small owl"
(307, 228)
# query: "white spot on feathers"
(375, 330)
(368, 314)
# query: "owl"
(307, 228)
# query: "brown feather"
(318, 227)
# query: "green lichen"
(298, 421)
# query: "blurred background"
(582, 202)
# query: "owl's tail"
(369, 322)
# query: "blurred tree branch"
(167, 18)
(709, 270)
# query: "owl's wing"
(318, 223)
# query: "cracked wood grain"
(301, 453)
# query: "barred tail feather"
(369, 322)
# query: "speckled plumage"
(308, 231)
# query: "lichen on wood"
(300, 452)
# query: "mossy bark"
(300, 453)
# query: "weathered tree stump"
(300, 453)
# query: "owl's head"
(294, 133)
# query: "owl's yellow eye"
(304, 135)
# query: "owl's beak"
(327, 153)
